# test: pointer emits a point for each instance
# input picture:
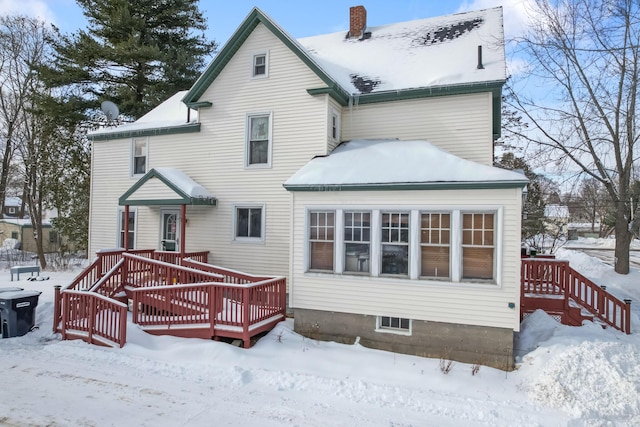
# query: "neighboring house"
(12, 206)
(556, 219)
(413, 246)
(22, 231)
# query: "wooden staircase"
(192, 299)
(553, 286)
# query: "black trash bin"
(17, 312)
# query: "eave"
(172, 130)
(451, 185)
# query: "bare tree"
(585, 54)
(22, 49)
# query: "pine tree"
(134, 53)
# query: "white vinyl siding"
(215, 159)
(460, 124)
(419, 298)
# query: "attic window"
(259, 65)
(448, 32)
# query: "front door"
(169, 237)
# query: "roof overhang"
(173, 130)
(159, 188)
(453, 185)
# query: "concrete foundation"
(463, 343)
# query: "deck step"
(237, 343)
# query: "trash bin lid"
(11, 289)
(18, 294)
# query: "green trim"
(333, 92)
(201, 104)
(170, 202)
(182, 199)
(247, 26)
(174, 130)
(461, 185)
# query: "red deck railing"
(549, 277)
(183, 300)
(93, 318)
(214, 309)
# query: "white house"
(358, 164)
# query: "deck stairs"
(181, 296)
(562, 292)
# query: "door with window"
(170, 237)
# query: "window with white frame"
(394, 324)
(321, 240)
(395, 243)
(258, 139)
(249, 222)
(435, 242)
(334, 125)
(478, 246)
(131, 229)
(357, 242)
(259, 66)
(12, 210)
(139, 156)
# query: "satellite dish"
(110, 110)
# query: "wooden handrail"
(553, 277)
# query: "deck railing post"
(566, 284)
(56, 308)
(92, 317)
(627, 316)
(245, 317)
(601, 300)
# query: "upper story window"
(334, 125)
(321, 238)
(139, 156)
(435, 251)
(478, 246)
(259, 66)
(258, 149)
(249, 222)
(395, 243)
(357, 241)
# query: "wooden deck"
(186, 298)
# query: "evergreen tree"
(134, 53)
(534, 204)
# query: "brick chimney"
(357, 21)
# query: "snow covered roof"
(24, 222)
(415, 54)
(13, 201)
(556, 211)
(394, 163)
(170, 114)
(171, 186)
(184, 183)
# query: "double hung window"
(395, 243)
(321, 240)
(357, 241)
(258, 139)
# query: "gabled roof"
(394, 164)
(255, 17)
(166, 186)
(432, 52)
(170, 117)
(422, 58)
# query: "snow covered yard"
(565, 376)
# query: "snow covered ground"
(586, 376)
